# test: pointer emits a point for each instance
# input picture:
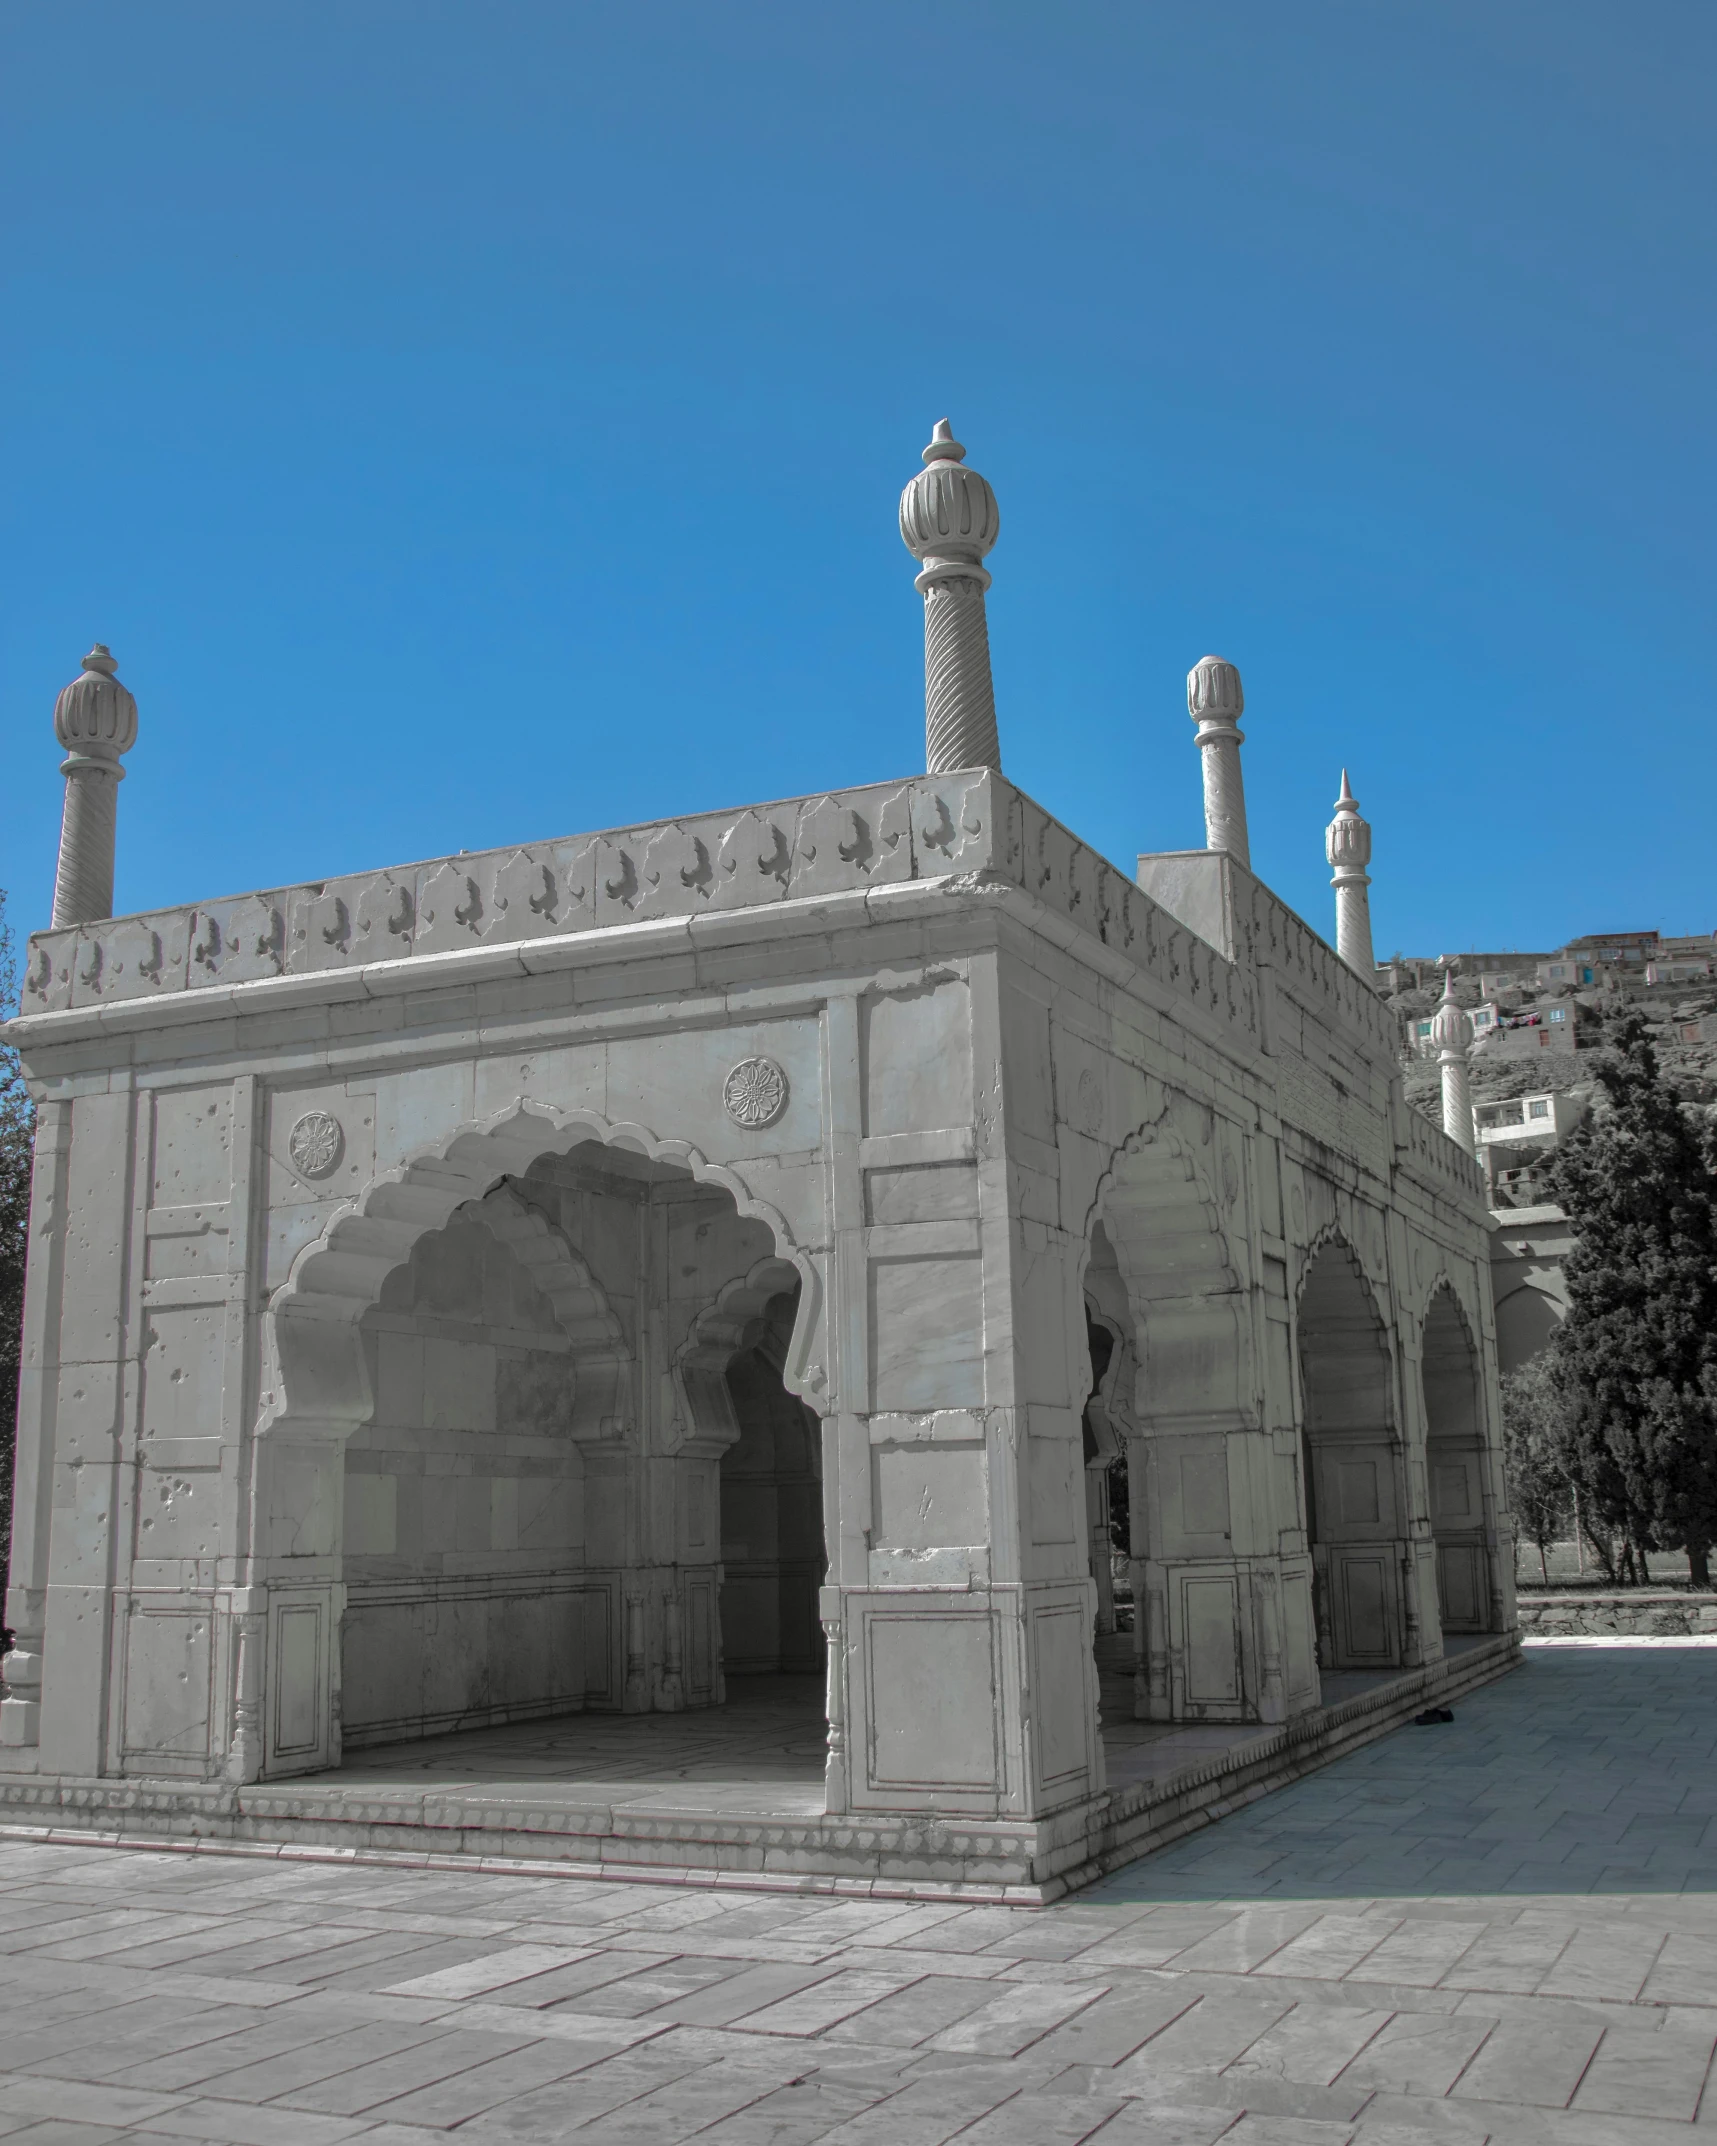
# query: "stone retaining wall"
(1634, 1613)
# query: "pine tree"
(1636, 1358)
(17, 1141)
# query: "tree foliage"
(17, 1139)
(1534, 1453)
(1635, 1362)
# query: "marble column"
(1214, 701)
(1347, 845)
(95, 719)
(1451, 1032)
(948, 521)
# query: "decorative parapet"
(1313, 972)
(971, 829)
(1438, 1161)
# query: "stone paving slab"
(1379, 1955)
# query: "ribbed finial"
(1215, 703)
(1213, 691)
(1347, 840)
(1347, 845)
(95, 719)
(948, 521)
(1451, 1032)
(1451, 1029)
(95, 714)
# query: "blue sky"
(469, 423)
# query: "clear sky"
(470, 422)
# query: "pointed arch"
(600, 1356)
(316, 1383)
(1356, 1490)
(1193, 1363)
(1455, 1470)
(733, 1320)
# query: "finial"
(1215, 703)
(95, 714)
(1213, 691)
(948, 521)
(1347, 845)
(1452, 1032)
(95, 719)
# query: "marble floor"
(1501, 1930)
(764, 1748)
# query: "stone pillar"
(1214, 701)
(95, 719)
(1347, 845)
(948, 521)
(1451, 1032)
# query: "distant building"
(1529, 1288)
(1619, 949)
(1525, 1034)
(1545, 1119)
(1512, 1140)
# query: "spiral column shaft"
(959, 696)
(83, 880)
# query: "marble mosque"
(739, 1270)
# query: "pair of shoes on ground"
(1432, 1715)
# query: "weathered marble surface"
(970, 826)
(436, 1268)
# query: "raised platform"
(733, 1796)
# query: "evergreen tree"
(1636, 1358)
(17, 1138)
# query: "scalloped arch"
(315, 1379)
(1441, 1282)
(1332, 1233)
(724, 1327)
(1161, 1217)
(1191, 1362)
(1346, 1350)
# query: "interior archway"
(1161, 1275)
(771, 1511)
(1454, 1466)
(531, 1508)
(1114, 1491)
(1355, 1506)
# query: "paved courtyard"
(1499, 1929)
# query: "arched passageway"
(1113, 1528)
(1355, 1507)
(771, 1512)
(582, 1485)
(1454, 1467)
